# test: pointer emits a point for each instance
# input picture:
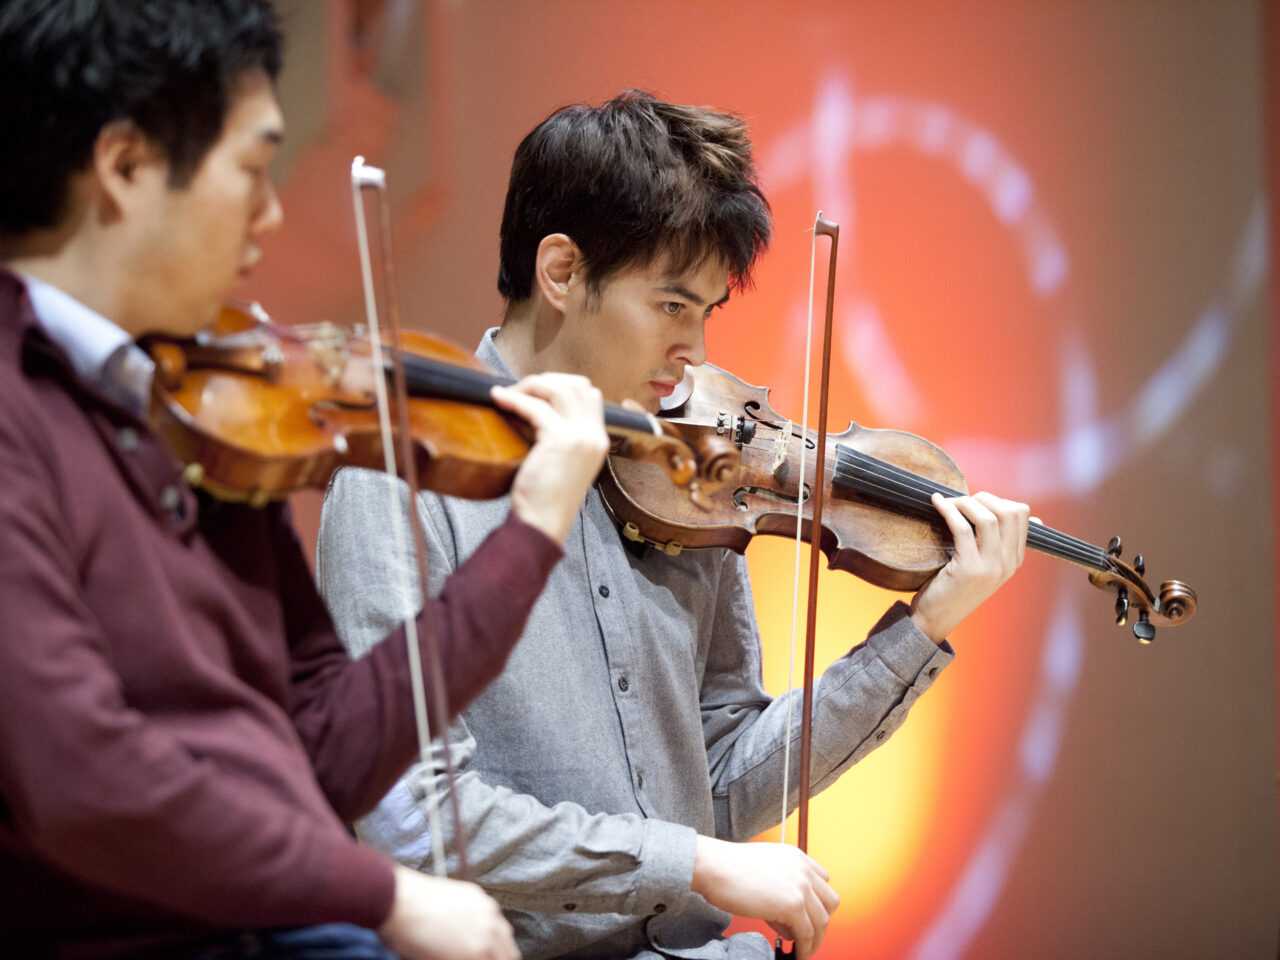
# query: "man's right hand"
(433, 918)
(772, 882)
(570, 443)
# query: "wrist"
(404, 879)
(550, 523)
(927, 625)
(704, 865)
(397, 896)
(927, 628)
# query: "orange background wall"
(1053, 263)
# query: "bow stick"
(821, 227)
(363, 177)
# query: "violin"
(258, 410)
(879, 522)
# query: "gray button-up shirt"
(630, 717)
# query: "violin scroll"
(1176, 602)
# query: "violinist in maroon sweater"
(182, 737)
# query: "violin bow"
(364, 176)
(821, 227)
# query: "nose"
(691, 351)
(270, 215)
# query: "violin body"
(878, 521)
(879, 544)
(259, 411)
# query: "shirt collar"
(488, 352)
(100, 351)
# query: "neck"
(527, 337)
(69, 261)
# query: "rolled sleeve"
(859, 701)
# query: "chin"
(650, 405)
(193, 319)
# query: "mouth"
(662, 388)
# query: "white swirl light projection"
(1089, 447)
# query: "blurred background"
(1054, 262)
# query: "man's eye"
(672, 307)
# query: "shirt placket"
(607, 575)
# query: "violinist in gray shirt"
(609, 778)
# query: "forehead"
(705, 283)
(254, 116)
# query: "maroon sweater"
(182, 736)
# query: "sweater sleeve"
(96, 789)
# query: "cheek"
(220, 209)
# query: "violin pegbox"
(1176, 602)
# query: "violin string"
(911, 490)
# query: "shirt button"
(604, 591)
(128, 438)
(571, 906)
(170, 497)
(933, 672)
(640, 780)
(881, 734)
(660, 908)
(623, 684)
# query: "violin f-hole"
(765, 493)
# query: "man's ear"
(123, 158)
(557, 269)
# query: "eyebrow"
(680, 290)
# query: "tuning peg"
(1122, 606)
(1113, 548)
(1140, 565)
(1143, 629)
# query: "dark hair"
(68, 68)
(628, 181)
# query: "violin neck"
(441, 380)
(910, 493)
(428, 377)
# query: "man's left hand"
(990, 536)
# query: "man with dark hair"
(182, 736)
(611, 773)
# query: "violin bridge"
(780, 448)
(329, 351)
